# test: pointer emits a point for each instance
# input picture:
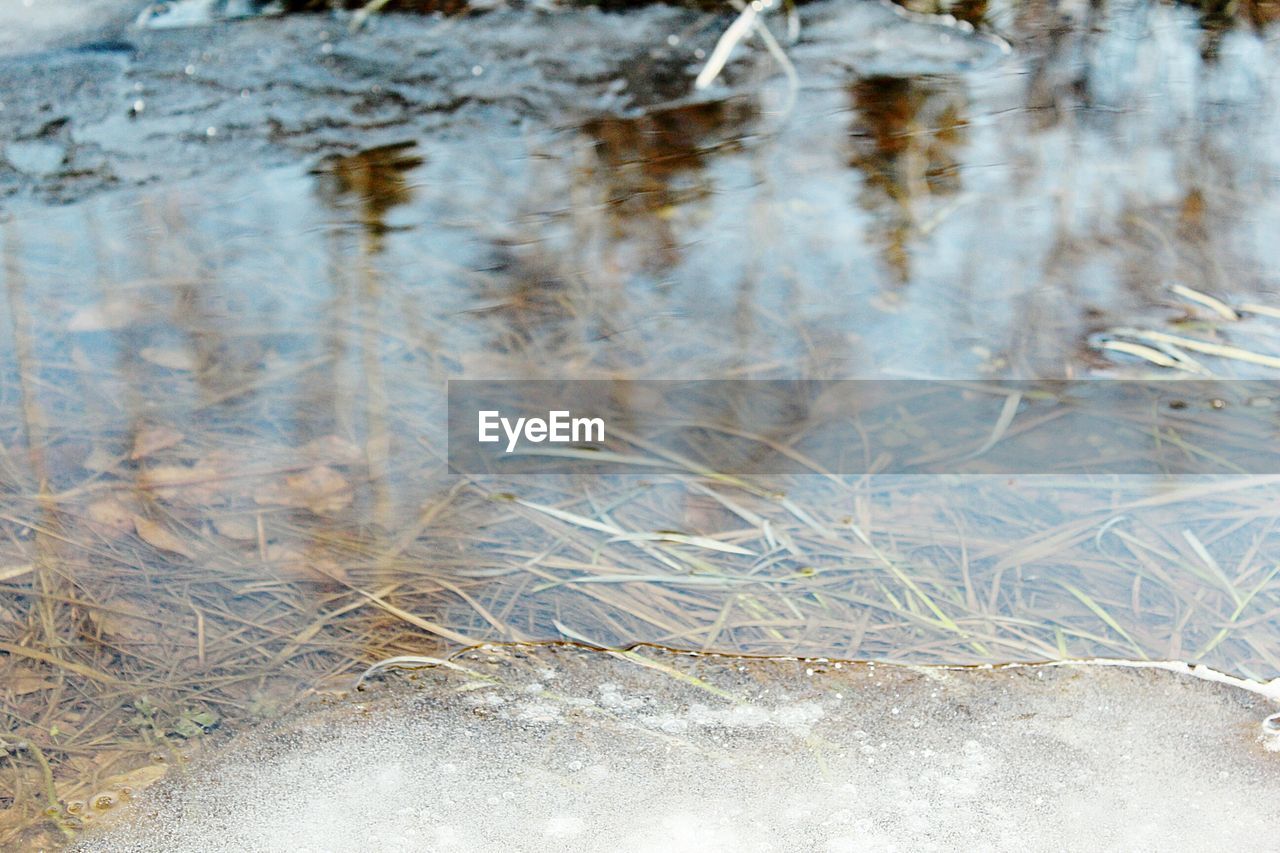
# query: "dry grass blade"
(1237, 613)
(1214, 304)
(368, 10)
(418, 621)
(1007, 413)
(910, 584)
(727, 43)
(684, 539)
(1099, 611)
(8, 573)
(1154, 356)
(1261, 310)
(639, 659)
(416, 662)
(1206, 347)
(55, 661)
(1207, 558)
(571, 518)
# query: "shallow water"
(236, 284)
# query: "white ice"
(558, 749)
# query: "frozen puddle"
(559, 748)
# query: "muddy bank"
(134, 105)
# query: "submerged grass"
(152, 649)
(146, 643)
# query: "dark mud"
(135, 105)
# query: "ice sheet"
(556, 748)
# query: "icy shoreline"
(557, 748)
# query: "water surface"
(226, 342)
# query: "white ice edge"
(1268, 689)
(1081, 763)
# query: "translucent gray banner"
(855, 427)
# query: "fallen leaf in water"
(19, 681)
(198, 484)
(321, 489)
(24, 684)
(121, 620)
(233, 474)
(173, 358)
(332, 450)
(110, 517)
(290, 561)
(106, 316)
(237, 527)
(137, 779)
(158, 536)
(153, 440)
